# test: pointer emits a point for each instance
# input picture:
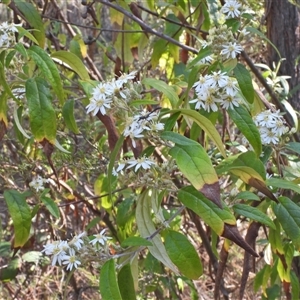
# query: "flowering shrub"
(150, 150)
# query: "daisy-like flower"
(202, 84)
(115, 88)
(77, 240)
(229, 102)
(218, 79)
(268, 136)
(100, 91)
(231, 50)
(265, 119)
(199, 103)
(231, 9)
(124, 78)
(231, 87)
(98, 105)
(71, 260)
(142, 162)
(58, 252)
(211, 103)
(157, 126)
(134, 130)
(49, 248)
(100, 238)
(38, 183)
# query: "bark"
(283, 29)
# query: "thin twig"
(146, 27)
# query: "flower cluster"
(37, 183)
(143, 162)
(73, 252)
(222, 42)
(144, 122)
(104, 93)
(271, 126)
(7, 37)
(216, 88)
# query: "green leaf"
(246, 195)
(164, 88)
(249, 159)
(21, 215)
(253, 213)
(33, 17)
(32, 256)
(202, 54)
(183, 254)
(41, 113)
(126, 284)
(245, 124)
(288, 214)
(68, 114)
(48, 69)
(23, 32)
(245, 82)
(205, 124)
(51, 206)
(294, 146)
(135, 241)
(109, 288)
(73, 62)
(283, 184)
(211, 214)
(147, 229)
(192, 160)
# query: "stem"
(66, 284)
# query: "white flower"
(268, 136)
(124, 78)
(202, 84)
(199, 103)
(77, 240)
(71, 260)
(58, 252)
(231, 9)
(218, 79)
(211, 103)
(98, 105)
(229, 102)
(231, 87)
(231, 50)
(134, 130)
(38, 183)
(143, 162)
(100, 92)
(100, 238)
(115, 87)
(157, 126)
(49, 248)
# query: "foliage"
(157, 129)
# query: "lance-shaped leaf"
(72, 61)
(288, 214)
(183, 254)
(195, 164)
(251, 177)
(205, 125)
(68, 114)
(21, 215)
(147, 230)
(245, 124)
(283, 184)
(109, 288)
(33, 17)
(48, 69)
(126, 284)
(41, 113)
(253, 213)
(210, 213)
(245, 82)
(220, 220)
